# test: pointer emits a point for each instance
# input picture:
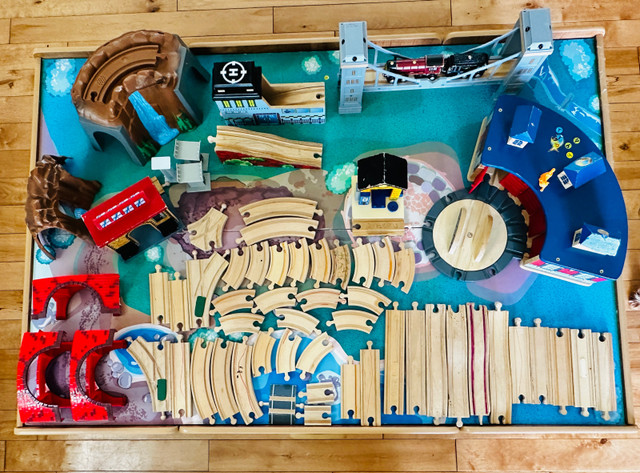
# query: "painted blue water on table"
(389, 120)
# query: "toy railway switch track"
(474, 236)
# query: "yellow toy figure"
(543, 180)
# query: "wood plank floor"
(26, 24)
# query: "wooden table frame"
(326, 42)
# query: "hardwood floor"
(27, 24)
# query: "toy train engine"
(433, 65)
(461, 63)
(428, 67)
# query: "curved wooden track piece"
(279, 207)
(244, 322)
(364, 263)
(298, 261)
(385, 260)
(405, 269)
(201, 379)
(262, 349)
(279, 265)
(349, 391)
(202, 277)
(320, 262)
(323, 297)
(242, 383)
(313, 354)
(274, 299)
(237, 269)
(153, 363)
(221, 372)
(233, 301)
(296, 320)
(278, 228)
(352, 320)
(208, 229)
(341, 264)
(286, 353)
(259, 262)
(369, 299)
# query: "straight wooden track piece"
(237, 269)
(320, 262)
(457, 359)
(208, 229)
(321, 298)
(201, 379)
(582, 368)
(437, 376)
(278, 228)
(319, 393)
(604, 374)
(520, 357)
(349, 390)
(286, 353)
(563, 370)
(169, 300)
(221, 383)
(262, 349)
(341, 261)
(385, 261)
(315, 415)
(369, 386)
(180, 378)
(202, 278)
(478, 361)
(405, 269)
(313, 354)
(366, 298)
(152, 360)
(279, 207)
(296, 320)
(241, 380)
(351, 319)
(275, 299)
(160, 299)
(394, 360)
(259, 264)
(279, 265)
(364, 262)
(233, 301)
(416, 360)
(299, 260)
(240, 322)
(539, 340)
(499, 366)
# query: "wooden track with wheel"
(279, 207)
(279, 227)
